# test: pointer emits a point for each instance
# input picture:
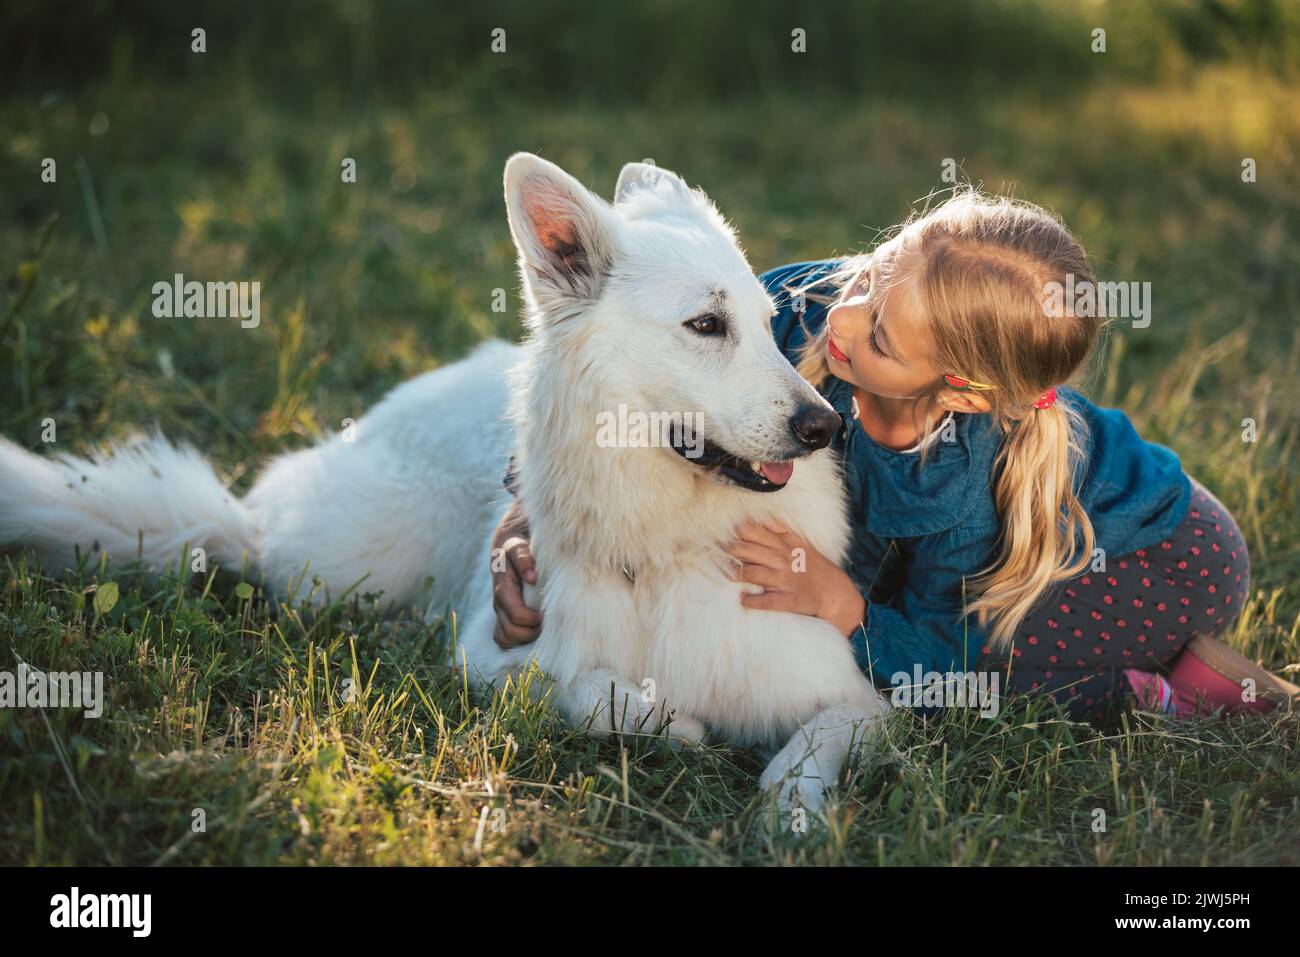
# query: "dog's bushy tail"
(142, 500)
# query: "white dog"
(644, 310)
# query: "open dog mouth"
(755, 476)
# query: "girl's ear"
(564, 233)
(964, 400)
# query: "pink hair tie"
(1046, 400)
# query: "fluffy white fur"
(418, 493)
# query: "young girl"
(1000, 520)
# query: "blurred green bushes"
(648, 52)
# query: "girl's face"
(881, 343)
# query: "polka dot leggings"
(1138, 613)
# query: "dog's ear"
(639, 176)
(563, 231)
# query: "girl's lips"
(835, 352)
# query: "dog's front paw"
(797, 783)
(683, 730)
(801, 792)
(652, 722)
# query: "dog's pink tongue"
(778, 473)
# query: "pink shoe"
(1208, 674)
(1152, 691)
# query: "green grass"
(215, 703)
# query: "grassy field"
(215, 168)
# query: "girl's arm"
(921, 625)
(796, 577)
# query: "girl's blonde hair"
(981, 267)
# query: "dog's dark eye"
(706, 325)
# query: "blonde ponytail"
(1046, 534)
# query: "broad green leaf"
(105, 598)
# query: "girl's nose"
(843, 319)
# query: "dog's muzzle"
(812, 427)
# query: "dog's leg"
(603, 703)
(810, 763)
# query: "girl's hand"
(512, 564)
(795, 577)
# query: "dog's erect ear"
(563, 231)
(638, 176)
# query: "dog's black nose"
(814, 426)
